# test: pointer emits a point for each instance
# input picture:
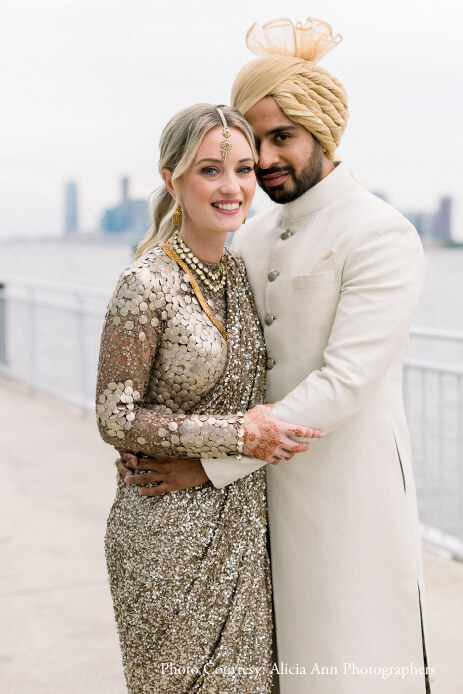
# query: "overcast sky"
(87, 86)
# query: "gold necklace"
(168, 250)
(214, 280)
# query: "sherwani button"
(269, 318)
(270, 363)
(286, 234)
(272, 275)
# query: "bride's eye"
(208, 170)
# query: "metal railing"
(49, 340)
(49, 337)
(433, 396)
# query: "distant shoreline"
(131, 240)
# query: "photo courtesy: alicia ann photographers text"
(314, 669)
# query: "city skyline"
(131, 215)
(89, 87)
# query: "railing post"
(33, 347)
(460, 451)
(82, 348)
(3, 356)
(441, 487)
(424, 427)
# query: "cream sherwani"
(336, 276)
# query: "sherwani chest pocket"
(315, 298)
(317, 279)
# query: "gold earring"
(177, 217)
(244, 221)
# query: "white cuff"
(223, 471)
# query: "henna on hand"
(270, 439)
(261, 435)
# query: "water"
(93, 264)
(441, 304)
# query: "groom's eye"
(281, 137)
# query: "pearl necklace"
(213, 280)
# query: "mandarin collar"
(320, 195)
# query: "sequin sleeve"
(135, 322)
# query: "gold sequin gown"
(188, 570)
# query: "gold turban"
(306, 93)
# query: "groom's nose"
(268, 155)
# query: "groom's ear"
(167, 178)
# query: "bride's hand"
(268, 438)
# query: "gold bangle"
(240, 441)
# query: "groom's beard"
(294, 185)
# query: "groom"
(336, 275)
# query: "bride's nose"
(229, 184)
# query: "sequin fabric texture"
(188, 571)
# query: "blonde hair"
(179, 143)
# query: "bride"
(182, 358)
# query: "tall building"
(443, 220)
(71, 215)
(129, 216)
(434, 226)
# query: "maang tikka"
(225, 145)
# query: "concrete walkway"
(57, 634)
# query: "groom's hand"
(169, 474)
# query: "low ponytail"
(162, 208)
